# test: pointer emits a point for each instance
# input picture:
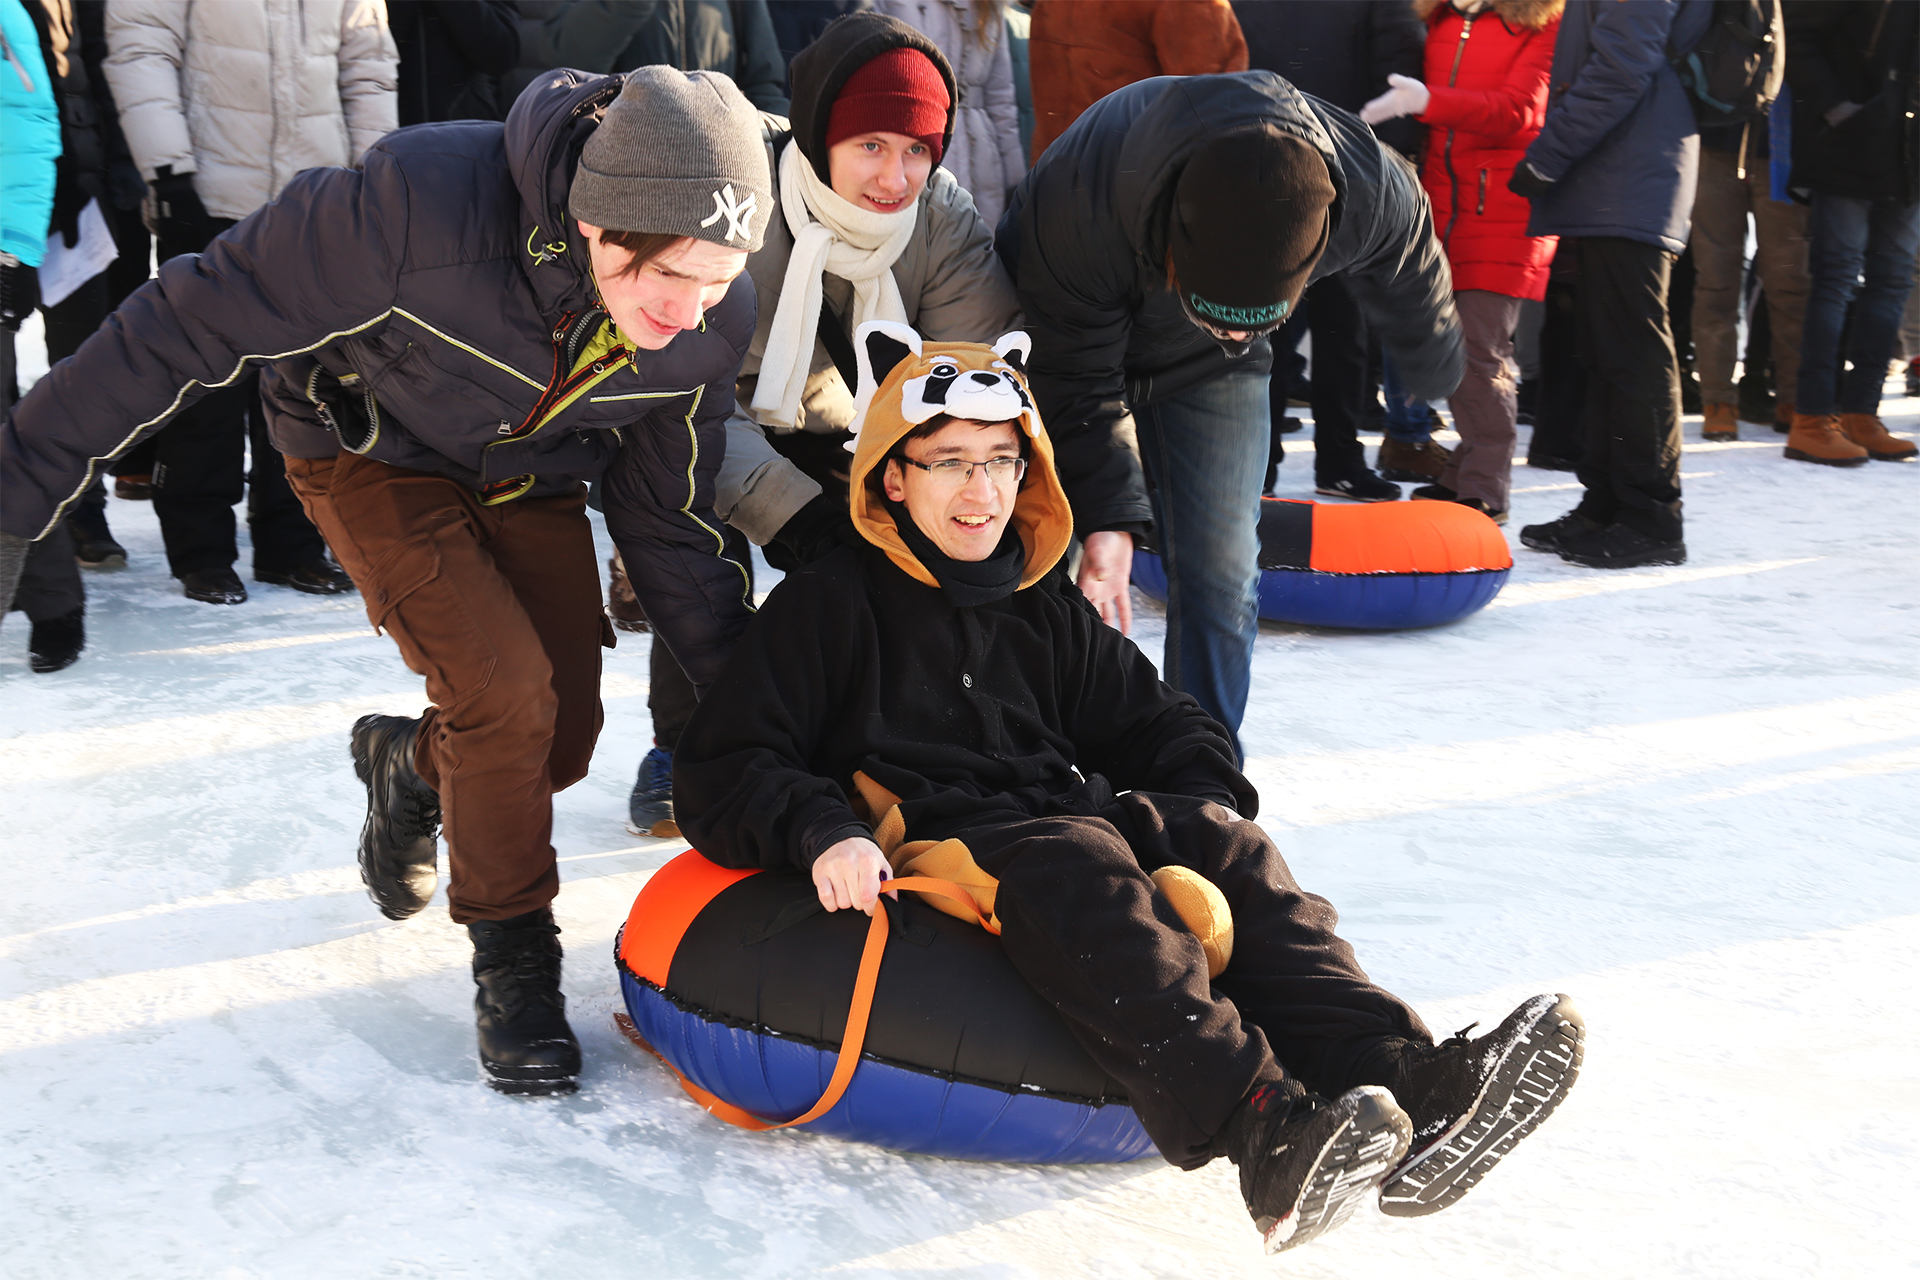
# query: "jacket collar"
(546, 129)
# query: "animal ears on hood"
(880, 345)
(1014, 348)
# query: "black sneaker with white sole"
(1364, 487)
(1306, 1164)
(1472, 1100)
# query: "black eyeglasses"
(955, 473)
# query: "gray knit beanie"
(677, 153)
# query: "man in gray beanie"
(453, 340)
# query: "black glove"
(19, 294)
(69, 198)
(125, 190)
(180, 220)
(813, 531)
(1527, 182)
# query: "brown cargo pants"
(498, 608)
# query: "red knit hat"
(901, 91)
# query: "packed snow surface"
(1687, 796)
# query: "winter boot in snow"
(55, 643)
(1721, 422)
(526, 1045)
(1412, 462)
(1471, 1100)
(1305, 1163)
(650, 806)
(1549, 536)
(1871, 434)
(1816, 437)
(397, 846)
(1619, 547)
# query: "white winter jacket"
(243, 94)
(985, 155)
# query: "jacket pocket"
(1481, 206)
(346, 404)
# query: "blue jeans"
(1205, 451)
(1846, 237)
(1407, 422)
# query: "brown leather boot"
(1783, 416)
(1816, 437)
(1722, 422)
(623, 609)
(1871, 434)
(1412, 462)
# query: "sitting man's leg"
(1084, 925)
(1333, 1029)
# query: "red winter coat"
(1488, 73)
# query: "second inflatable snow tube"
(1377, 567)
(741, 982)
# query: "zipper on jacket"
(26, 81)
(1481, 207)
(1453, 179)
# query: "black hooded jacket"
(1085, 240)
(427, 311)
(852, 665)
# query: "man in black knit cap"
(1154, 247)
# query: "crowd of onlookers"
(1608, 245)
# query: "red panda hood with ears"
(917, 380)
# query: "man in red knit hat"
(870, 227)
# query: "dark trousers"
(1563, 379)
(1630, 432)
(1860, 261)
(670, 696)
(499, 609)
(1083, 924)
(200, 472)
(1341, 385)
(49, 585)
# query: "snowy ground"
(1686, 796)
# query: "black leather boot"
(398, 848)
(525, 1042)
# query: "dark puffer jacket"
(1085, 240)
(1865, 52)
(1620, 144)
(431, 307)
(733, 37)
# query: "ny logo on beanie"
(739, 215)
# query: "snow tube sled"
(741, 982)
(1379, 567)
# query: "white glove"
(1408, 97)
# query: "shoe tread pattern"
(1538, 1071)
(1352, 1165)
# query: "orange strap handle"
(857, 1014)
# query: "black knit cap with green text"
(677, 153)
(1249, 221)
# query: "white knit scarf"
(829, 234)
